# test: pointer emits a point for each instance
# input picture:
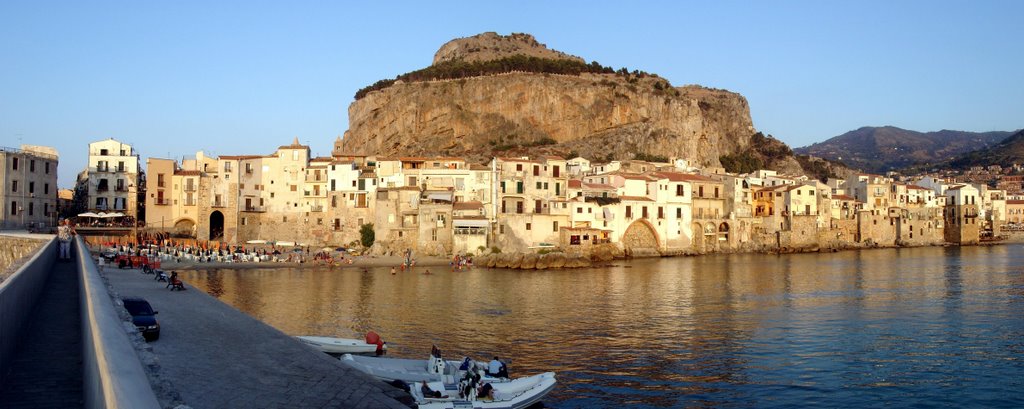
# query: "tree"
(366, 235)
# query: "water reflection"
(923, 326)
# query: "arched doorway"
(184, 228)
(641, 239)
(723, 235)
(216, 225)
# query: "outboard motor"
(373, 338)
(437, 365)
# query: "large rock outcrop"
(492, 46)
(598, 115)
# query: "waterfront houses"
(112, 182)
(446, 205)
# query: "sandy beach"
(359, 262)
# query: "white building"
(113, 177)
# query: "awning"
(88, 214)
(442, 196)
(457, 223)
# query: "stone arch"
(184, 227)
(216, 225)
(641, 238)
(698, 237)
(723, 232)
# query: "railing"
(218, 204)
(113, 375)
(316, 208)
(190, 202)
(255, 209)
(162, 202)
(190, 188)
(121, 189)
(102, 188)
(469, 230)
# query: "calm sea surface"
(906, 327)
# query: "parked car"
(143, 317)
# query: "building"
(114, 177)
(28, 198)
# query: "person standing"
(64, 233)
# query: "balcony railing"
(121, 189)
(218, 204)
(316, 208)
(190, 202)
(161, 202)
(256, 209)
(190, 188)
(102, 188)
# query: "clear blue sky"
(245, 77)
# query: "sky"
(232, 78)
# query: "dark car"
(143, 317)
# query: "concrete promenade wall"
(113, 375)
(18, 295)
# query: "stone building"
(962, 225)
(28, 197)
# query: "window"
(337, 224)
(536, 170)
(31, 208)
(629, 212)
(294, 188)
(103, 152)
(528, 226)
(31, 168)
(319, 221)
(47, 167)
(679, 212)
(579, 210)
(716, 192)
(539, 185)
(14, 186)
(680, 191)
(643, 212)
(661, 212)
(519, 167)
(284, 219)
(555, 171)
(31, 187)
(159, 180)
(227, 166)
(243, 221)
(14, 207)
(554, 226)
(14, 164)
(700, 191)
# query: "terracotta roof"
(240, 157)
(475, 166)
(321, 159)
(636, 198)
(518, 160)
(957, 187)
(916, 187)
(684, 177)
(188, 172)
(843, 197)
(412, 159)
(1015, 202)
(467, 205)
(599, 186)
(553, 157)
(575, 184)
(469, 217)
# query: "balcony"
(218, 204)
(316, 208)
(162, 202)
(190, 202)
(102, 188)
(121, 189)
(254, 209)
(190, 188)
(121, 169)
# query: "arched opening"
(641, 239)
(216, 225)
(184, 228)
(723, 232)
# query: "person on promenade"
(392, 270)
(64, 234)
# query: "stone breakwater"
(552, 260)
(14, 251)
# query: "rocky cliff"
(597, 115)
(492, 46)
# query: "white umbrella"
(115, 214)
(88, 214)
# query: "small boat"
(450, 378)
(515, 394)
(372, 345)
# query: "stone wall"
(14, 251)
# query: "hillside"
(880, 149)
(526, 99)
(1006, 153)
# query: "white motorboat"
(450, 378)
(514, 394)
(372, 345)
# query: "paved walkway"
(218, 357)
(47, 369)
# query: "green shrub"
(366, 235)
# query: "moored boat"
(371, 345)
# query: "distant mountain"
(880, 149)
(1007, 152)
